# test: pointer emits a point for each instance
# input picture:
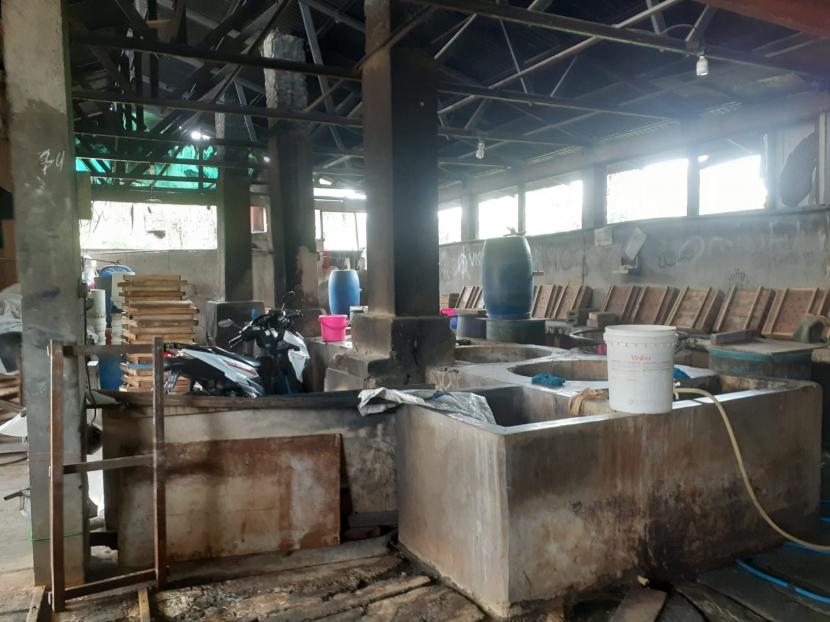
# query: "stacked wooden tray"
(790, 305)
(743, 309)
(154, 306)
(695, 310)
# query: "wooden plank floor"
(379, 589)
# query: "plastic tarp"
(459, 404)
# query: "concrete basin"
(544, 506)
(500, 353)
(574, 369)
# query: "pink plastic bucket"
(333, 327)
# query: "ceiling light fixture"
(480, 150)
(197, 135)
(266, 159)
(324, 181)
(702, 66)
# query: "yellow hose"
(747, 484)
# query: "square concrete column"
(469, 217)
(403, 333)
(48, 256)
(234, 224)
(291, 184)
(233, 215)
(594, 196)
(400, 143)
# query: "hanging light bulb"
(480, 150)
(702, 66)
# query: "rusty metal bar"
(56, 476)
(315, 117)
(214, 56)
(159, 463)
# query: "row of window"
(654, 191)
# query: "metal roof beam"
(626, 36)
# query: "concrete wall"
(770, 248)
(199, 268)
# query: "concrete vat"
(544, 505)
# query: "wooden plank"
(464, 297)
(155, 304)
(151, 277)
(744, 309)
(430, 603)
(735, 336)
(678, 609)
(620, 301)
(39, 607)
(144, 605)
(108, 464)
(695, 310)
(56, 476)
(716, 606)
(571, 297)
(762, 597)
(173, 321)
(653, 304)
(542, 301)
(789, 306)
(159, 467)
(640, 605)
(352, 600)
(95, 587)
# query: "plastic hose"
(745, 477)
(783, 584)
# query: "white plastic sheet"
(456, 403)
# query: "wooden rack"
(57, 469)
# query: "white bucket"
(640, 368)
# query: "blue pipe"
(794, 545)
(782, 584)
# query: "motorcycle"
(216, 371)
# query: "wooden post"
(159, 475)
(56, 475)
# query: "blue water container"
(109, 371)
(507, 278)
(104, 281)
(344, 291)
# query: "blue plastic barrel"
(104, 281)
(109, 371)
(344, 291)
(507, 278)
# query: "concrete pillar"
(233, 190)
(772, 167)
(693, 184)
(400, 143)
(521, 227)
(291, 183)
(403, 333)
(234, 223)
(469, 217)
(48, 255)
(594, 196)
(823, 165)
